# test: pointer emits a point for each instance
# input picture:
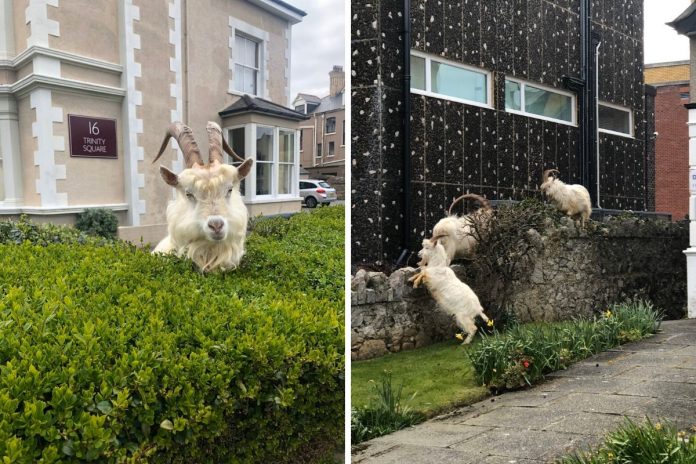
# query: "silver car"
(316, 192)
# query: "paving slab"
(572, 411)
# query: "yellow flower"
(607, 313)
(610, 455)
(681, 434)
(658, 426)
(490, 323)
(459, 336)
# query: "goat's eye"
(229, 192)
(190, 196)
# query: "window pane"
(263, 178)
(417, 72)
(324, 184)
(458, 82)
(330, 125)
(614, 119)
(236, 141)
(513, 95)
(264, 143)
(250, 81)
(331, 148)
(239, 77)
(549, 104)
(240, 47)
(318, 150)
(285, 178)
(287, 147)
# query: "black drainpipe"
(406, 145)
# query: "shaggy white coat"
(451, 294)
(573, 200)
(455, 233)
(202, 193)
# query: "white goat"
(456, 233)
(207, 221)
(451, 294)
(573, 200)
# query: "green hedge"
(522, 356)
(42, 234)
(110, 354)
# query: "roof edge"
(280, 8)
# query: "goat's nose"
(216, 224)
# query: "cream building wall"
(143, 63)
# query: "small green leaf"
(68, 448)
(167, 425)
(104, 406)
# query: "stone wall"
(573, 273)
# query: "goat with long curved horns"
(207, 221)
(573, 200)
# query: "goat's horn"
(482, 201)
(214, 142)
(435, 238)
(545, 175)
(230, 151)
(184, 137)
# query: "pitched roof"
(685, 23)
(330, 103)
(308, 98)
(249, 104)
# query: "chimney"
(337, 80)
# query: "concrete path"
(572, 410)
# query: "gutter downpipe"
(406, 146)
(584, 74)
(596, 99)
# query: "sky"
(662, 43)
(318, 43)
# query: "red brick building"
(672, 143)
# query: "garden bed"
(109, 353)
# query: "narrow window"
(539, 102)
(332, 149)
(286, 161)
(436, 77)
(615, 119)
(318, 150)
(343, 134)
(246, 66)
(264, 160)
(330, 125)
(301, 139)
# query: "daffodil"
(459, 336)
(607, 314)
(681, 434)
(490, 323)
(658, 426)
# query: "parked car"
(316, 192)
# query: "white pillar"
(691, 251)
(9, 152)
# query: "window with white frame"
(264, 160)
(286, 161)
(541, 102)
(236, 138)
(331, 125)
(318, 155)
(332, 149)
(246, 64)
(615, 119)
(437, 77)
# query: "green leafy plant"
(387, 412)
(98, 221)
(111, 354)
(636, 443)
(521, 356)
(42, 234)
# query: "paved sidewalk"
(575, 408)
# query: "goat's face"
(208, 198)
(432, 254)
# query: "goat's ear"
(244, 168)
(169, 177)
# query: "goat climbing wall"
(457, 147)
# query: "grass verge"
(644, 443)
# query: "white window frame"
(625, 109)
(521, 111)
(428, 83)
(258, 44)
(328, 149)
(247, 146)
(259, 36)
(250, 147)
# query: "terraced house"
(481, 96)
(87, 89)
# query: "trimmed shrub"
(41, 234)
(633, 443)
(523, 355)
(111, 354)
(98, 221)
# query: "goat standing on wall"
(456, 233)
(573, 200)
(207, 221)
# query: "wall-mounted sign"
(692, 180)
(92, 137)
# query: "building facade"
(496, 92)
(671, 81)
(87, 90)
(323, 135)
